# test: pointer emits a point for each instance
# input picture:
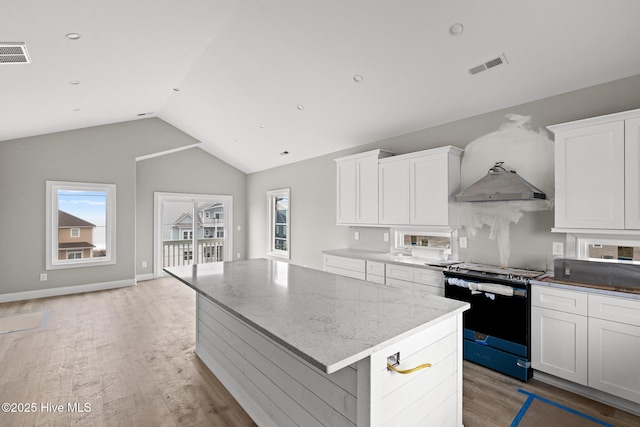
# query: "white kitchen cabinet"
(434, 181)
(632, 173)
(393, 200)
(357, 187)
(559, 333)
(418, 188)
(430, 281)
(375, 272)
(596, 173)
(614, 346)
(344, 266)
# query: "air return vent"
(13, 53)
(487, 65)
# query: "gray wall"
(188, 171)
(104, 154)
(313, 182)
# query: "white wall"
(104, 154)
(313, 183)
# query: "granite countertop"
(329, 320)
(389, 258)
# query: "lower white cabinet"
(349, 267)
(589, 339)
(614, 346)
(375, 272)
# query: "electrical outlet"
(43, 277)
(558, 248)
(356, 235)
(144, 264)
(386, 237)
(238, 255)
(463, 242)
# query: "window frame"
(272, 196)
(51, 216)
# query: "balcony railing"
(180, 252)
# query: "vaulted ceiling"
(252, 79)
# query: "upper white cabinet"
(357, 187)
(596, 172)
(418, 188)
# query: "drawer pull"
(408, 371)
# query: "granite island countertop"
(331, 321)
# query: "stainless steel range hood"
(500, 184)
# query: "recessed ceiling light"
(73, 36)
(262, 126)
(74, 82)
(358, 78)
(235, 140)
(284, 153)
(175, 89)
(76, 109)
(456, 29)
(300, 107)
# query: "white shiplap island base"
(297, 346)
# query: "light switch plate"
(558, 248)
(356, 235)
(463, 242)
(386, 237)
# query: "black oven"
(498, 324)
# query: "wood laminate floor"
(128, 354)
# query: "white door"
(347, 192)
(191, 229)
(632, 173)
(590, 177)
(559, 344)
(394, 192)
(613, 358)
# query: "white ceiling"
(246, 63)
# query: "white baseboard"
(143, 277)
(66, 290)
(591, 393)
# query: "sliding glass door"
(191, 229)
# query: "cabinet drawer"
(616, 309)
(559, 299)
(399, 272)
(343, 272)
(428, 289)
(375, 268)
(344, 263)
(375, 279)
(399, 283)
(427, 276)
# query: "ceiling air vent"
(13, 53)
(487, 65)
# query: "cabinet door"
(394, 192)
(367, 190)
(613, 358)
(429, 194)
(346, 189)
(590, 177)
(632, 174)
(559, 344)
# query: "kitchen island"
(298, 346)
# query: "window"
(81, 226)
(279, 223)
(608, 248)
(187, 234)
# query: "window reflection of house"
(177, 232)
(75, 237)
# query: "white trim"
(66, 290)
(51, 225)
(143, 277)
(164, 153)
(160, 197)
(271, 226)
